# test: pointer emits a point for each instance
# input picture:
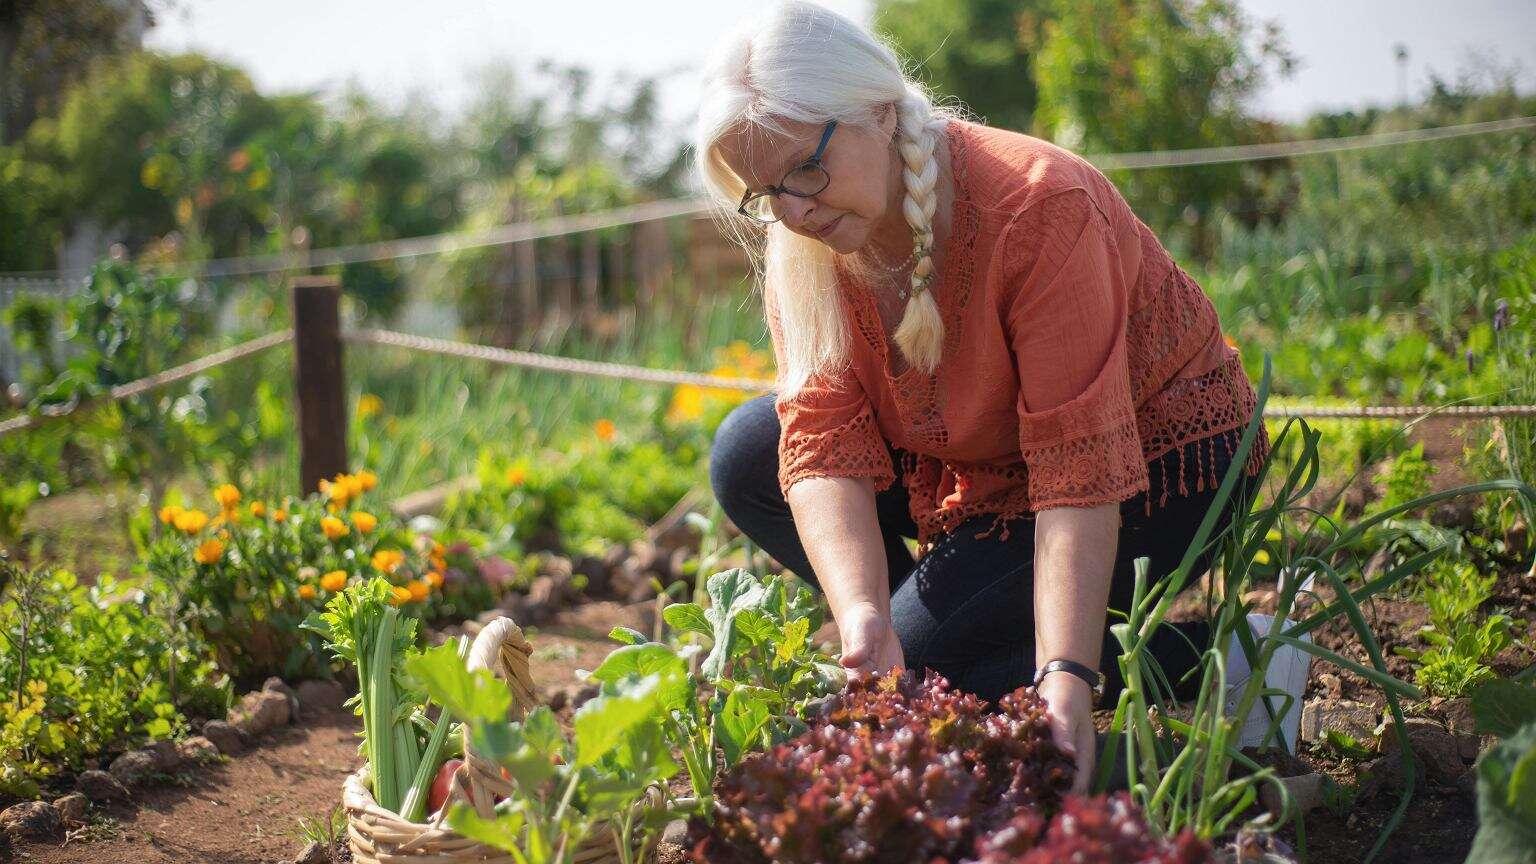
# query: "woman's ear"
(888, 119)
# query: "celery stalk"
(415, 805)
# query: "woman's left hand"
(1071, 711)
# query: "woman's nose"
(797, 211)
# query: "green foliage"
(86, 670)
(1405, 479)
(1502, 706)
(1118, 76)
(1461, 642)
(1506, 801)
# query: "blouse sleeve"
(828, 429)
(1067, 297)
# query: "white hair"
(801, 62)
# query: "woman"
(980, 347)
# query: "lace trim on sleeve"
(852, 449)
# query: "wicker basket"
(378, 836)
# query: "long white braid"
(920, 336)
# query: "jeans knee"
(744, 456)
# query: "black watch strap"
(1094, 677)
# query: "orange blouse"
(1075, 354)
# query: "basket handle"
(502, 648)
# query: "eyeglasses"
(803, 181)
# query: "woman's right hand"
(869, 640)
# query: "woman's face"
(859, 161)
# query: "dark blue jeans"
(966, 609)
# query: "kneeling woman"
(980, 347)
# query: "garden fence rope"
(503, 234)
(509, 357)
(151, 382)
(596, 368)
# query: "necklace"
(910, 260)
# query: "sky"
(397, 50)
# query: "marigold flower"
(419, 590)
(169, 512)
(1231, 343)
(258, 509)
(368, 405)
(438, 562)
(388, 560)
(279, 515)
(209, 552)
(334, 581)
(366, 480)
(604, 429)
(516, 475)
(364, 522)
(307, 592)
(191, 521)
(227, 496)
(399, 595)
(434, 578)
(334, 528)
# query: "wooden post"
(318, 384)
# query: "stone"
(676, 832)
(584, 695)
(1332, 685)
(1438, 752)
(73, 808)
(1381, 775)
(595, 570)
(1305, 791)
(134, 767)
(1356, 719)
(557, 700)
(259, 712)
(321, 697)
(278, 685)
(167, 757)
(198, 750)
(314, 853)
(100, 786)
(224, 736)
(1461, 723)
(30, 819)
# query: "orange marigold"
(399, 595)
(209, 552)
(258, 509)
(334, 581)
(388, 560)
(435, 579)
(419, 590)
(307, 592)
(169, 512)
(604, 429)
(227, 496)
(364, 522)
(366, 480)
(334, 528)
(191, 521)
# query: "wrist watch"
(1094, 677)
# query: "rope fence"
(649, 375)
(649, 211)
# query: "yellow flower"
(418, 589)
(334, 581)
(435, 579)
(342, 488)
(438, 562)
(258, 509)
(1261, 556)
(190, 521)
(364, 522)
(279, 515)
(516, 475)
(399, 595)
(687, 403)
(388, 560)
(334, 528)
(209, 552)
(366, 480)
(307, 592)
(169, 512)
(227, 496)
(368, 405)
(604, 429)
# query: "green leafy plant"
(1506, 801)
